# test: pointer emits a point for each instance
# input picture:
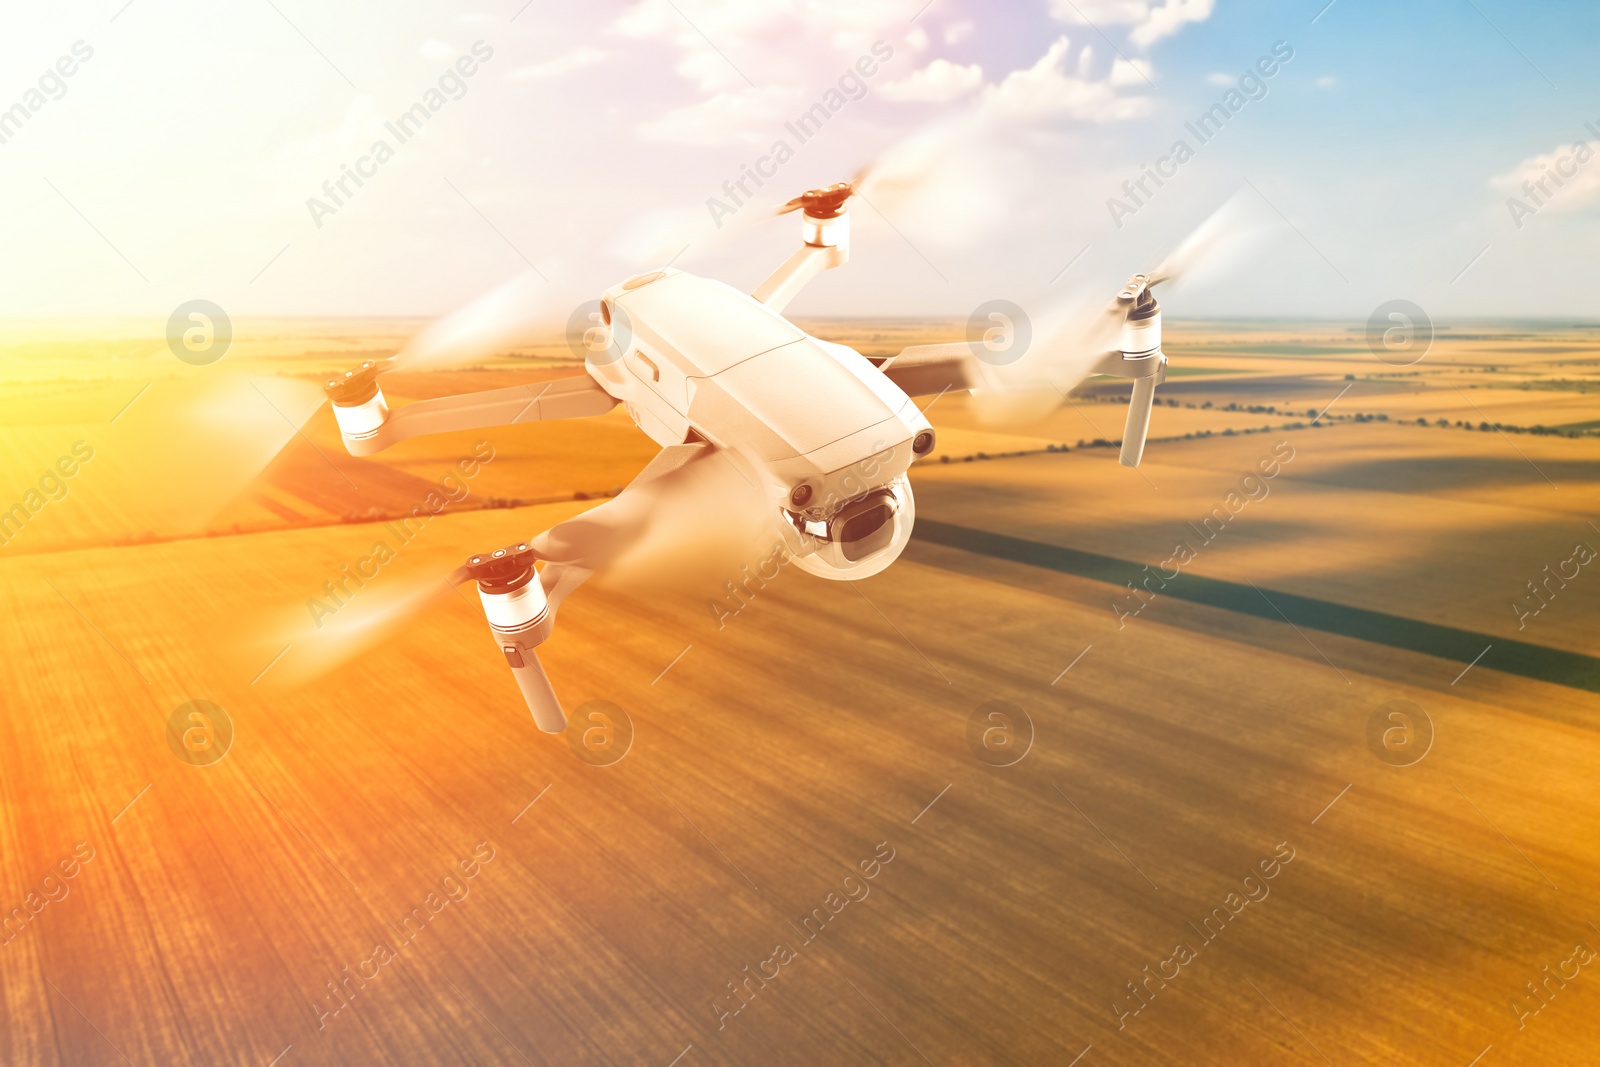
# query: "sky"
(194, 151)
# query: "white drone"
(825, 434)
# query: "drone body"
(810, 423)
(824, 435)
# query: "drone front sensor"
(860, 538)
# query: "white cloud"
(1327, 81)
(853, 24)
(780, 46)
(1574, 166)
(917, 39)
(1168, 19)
(1129, 71)
(1101, 12)
(325, 149)
(955, 183)
(1149, 21)
(555, 68)
(760, 37)
(1045, 91)
(957, 32)
(1220, 80)
(939, 82)
(691, 27)
(739, 116)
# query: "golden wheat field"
(1213, 848)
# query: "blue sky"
(184, 159)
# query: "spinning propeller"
(825, 203)
(1123, 336)
(651, 535)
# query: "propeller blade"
(822, 203)
(1014, 407)
(679, 520)
(1073, 336)
(363, 621)
(509, 315)
(227, 430)
(941, 186)
(1222, 241)
(1084, 336)
(194, 443)
(1068, 340)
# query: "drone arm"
(786, 282)
(537, 691)
(1148, 370)
(521, 605)
(827, 245)
(564, 398)
(925, 370)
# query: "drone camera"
(358, 405)
(519, 616)
(864, 527)
(860, 538)
(923, 443)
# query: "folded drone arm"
(564, 398)
(922, 370)
(590, 541)
(522, 616)
(926, 370)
